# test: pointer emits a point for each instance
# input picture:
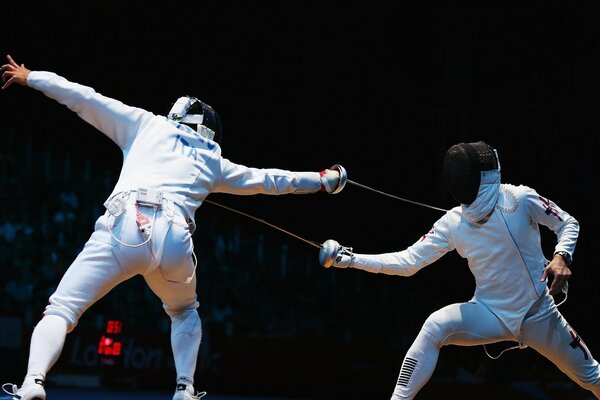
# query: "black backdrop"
(383, 88)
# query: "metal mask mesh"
(463, 164)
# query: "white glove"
(333, 254)
(333, 179)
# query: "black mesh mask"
(211, 120)
(199, 116)
(463, 164)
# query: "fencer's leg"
(168, 282)
(418, 366)
(186, 335)
(549, 333)
(179, 302)
(92, 274)
(47, 342)
(464, 324)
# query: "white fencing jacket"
(504, 254)
(163, 155)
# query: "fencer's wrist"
(344, 257)
(566, 257)
(333, 180)
(322, 181)
(344, 260)
(330, 180)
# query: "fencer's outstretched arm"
(113, 118)
(429, 248)
(402, 263)
(242, 180)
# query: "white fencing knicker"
(154, 214)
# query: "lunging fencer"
(170, 165)
(496, 228)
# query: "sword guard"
(343, 178)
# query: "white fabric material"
(486, 199)
(330, 180)
(544, 330)
(417, 367)
(366, 263)
(186, 335)
(47, 342)
(510, 302)
(162, 155)
(504, 254)
(166, 156)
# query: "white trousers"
(544, 330)
(166, 262)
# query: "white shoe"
(31, 390)
(187, 392)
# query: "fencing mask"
(463, 164)
(198, 115)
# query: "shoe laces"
(13, 389)
(198, 395)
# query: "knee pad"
(177, 312)
(62, 310)
(186, 322)
(438, 326)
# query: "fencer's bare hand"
(560, 272)
(14, 73)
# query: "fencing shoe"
(187, 392)
(32, 389)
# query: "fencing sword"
(321, 246)
(395, 197)
(311, 242)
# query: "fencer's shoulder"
(452, 218)
(519, 191)
(453, 212)
(511, 197)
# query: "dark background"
(382, 88)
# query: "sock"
(417, 367)
(47, 342)
(186, 334)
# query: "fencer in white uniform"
(496, 228)
(168, 170)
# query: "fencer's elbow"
(572, 224)
(575, 224)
